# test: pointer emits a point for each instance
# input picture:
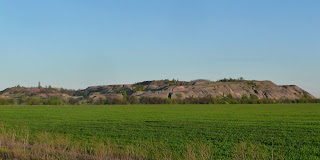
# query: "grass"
(274, 131)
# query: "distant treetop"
(201, 80)
(231, 80)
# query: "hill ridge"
(172, 89)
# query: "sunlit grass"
(280, 131)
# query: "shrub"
(73, 101)
(112, 101)
(54, 101)
(125, 95)
(139, 87)
(231, 80)
(132, 100)
(33, 101)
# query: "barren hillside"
(169, 89)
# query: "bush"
(11, 101)
(132, 100)
(54, 101)
(33, 101)
(152, 100)
(112, 101)
(73, 101)
(139, 87)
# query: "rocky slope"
(169, 89)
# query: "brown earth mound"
(169, 89)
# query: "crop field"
(274, 131)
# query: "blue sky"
(80, 43)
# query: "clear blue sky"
(80, 43)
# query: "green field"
(278, 131)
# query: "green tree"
(86, 94)
(253, 99)
(39, 85)
(62, 90)
(244, 99)
(2, 101)
(139, 87)
(218, 100)
(21, 99)
(33, 101)
(125, 95)
(56, 100)
(12, 101)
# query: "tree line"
(128, 99)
